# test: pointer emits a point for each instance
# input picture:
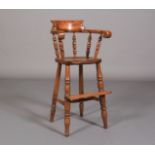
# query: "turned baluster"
(61, 36)
(74, 45)
(98, 46)
(55, 44)
(88, 45)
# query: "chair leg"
(81, 89)
(55, 92)
(100, 84)
(67, 103)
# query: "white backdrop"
(26, 49)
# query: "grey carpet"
(25, 104)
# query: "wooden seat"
(77, 60)
(59, 29)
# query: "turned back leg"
(81, 89)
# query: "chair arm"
(104, 33)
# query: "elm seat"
(77, 60)
(58, 31)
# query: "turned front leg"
(100, 84)
(67, 103)
(55, 92)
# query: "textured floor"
(24, 114)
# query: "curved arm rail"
(104, 33)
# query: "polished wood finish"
(100, 85)
(98, 45)
(55, 92)
(88, 45)
(77, 60)
(61, 45)
(67, 103)
(87, 96)
(104, 33)
(74, 45)
(60, 101)
(59, 29)
(67, 25)
(55, 44)
(81, 89)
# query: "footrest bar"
(61, 101)
(87, 96)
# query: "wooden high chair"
(59, 28)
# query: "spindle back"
(60, 27)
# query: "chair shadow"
(77, 116)
(29, 115)
(17, 108)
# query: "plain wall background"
(26, 49)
